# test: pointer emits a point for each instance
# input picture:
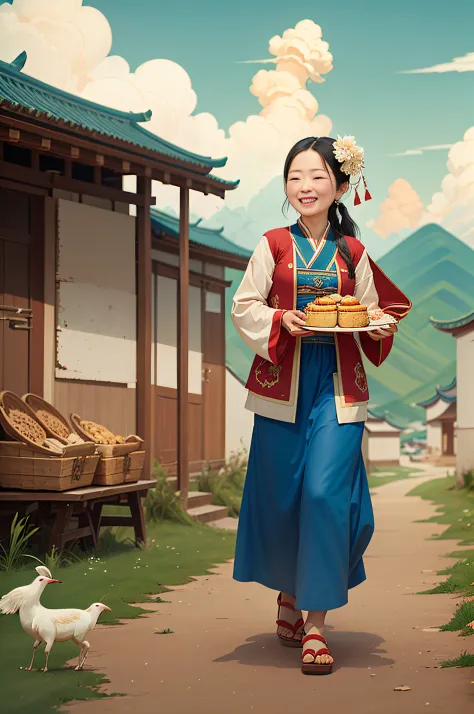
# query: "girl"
(306, 516)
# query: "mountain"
(436, 271)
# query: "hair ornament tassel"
(351, 158)
(367, 197)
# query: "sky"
(370, 40)
(191, 63)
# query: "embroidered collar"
(317, 247)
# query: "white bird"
(50, 626)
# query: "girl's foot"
(315, 657)
(290, 621)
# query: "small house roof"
(446, 394)
(455, 323)
(208, 237)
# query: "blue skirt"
(306, 516)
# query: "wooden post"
(144, 272)
(183, 346)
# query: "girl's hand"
(380, 334)
(292, 321)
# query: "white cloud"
(453, 205)
(68, 46)
(402, 209)
(422, 149)
(457, 64)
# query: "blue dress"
(306, 516)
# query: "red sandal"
(314, 667)
(289, 641)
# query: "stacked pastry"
(322, 312)
(350, 313)
(332, 310)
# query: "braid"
(341, 228)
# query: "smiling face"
(311, 184)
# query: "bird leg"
(85, 646)
(48, 648)
(35, 647)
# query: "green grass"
(395, 473)
(464, 660)
(227, 484)
(455, 509)
(120, 574)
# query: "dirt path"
(224, 657)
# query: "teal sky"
(363, 95)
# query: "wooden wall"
(166, 428)
(112, 405)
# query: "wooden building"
(76, 270)
(210, 254)
(441, 410)
(381, 442)
(462, 329)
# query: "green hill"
(436, 271)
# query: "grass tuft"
(227, 484)
(12, 555)
(464, 660)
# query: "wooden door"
(448, 438)
(21, 292)
(213, 375)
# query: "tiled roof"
(446, 394)
(41, 100)
(207, 237)
(448, 325)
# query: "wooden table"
(57, 508)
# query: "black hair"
(342, 224)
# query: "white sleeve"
(365, 290)
(251, 315)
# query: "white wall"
(438, 408)
(166, 307)
(434, 438)
(96, 339)
(465, 401)
(239, 421)
(465, 380)
(384, 448)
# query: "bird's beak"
(51, 580)
(107, 608)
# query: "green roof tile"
(454, 323)
(39, 98)
(207, 237)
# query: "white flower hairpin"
(351, 158)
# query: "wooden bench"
(55, 510)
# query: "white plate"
(369, 328)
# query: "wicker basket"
(10, 402)
(120, 469)
(31, 473)
(133, 442)
(44, 411)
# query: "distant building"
(381, 442)
(440, 411)
(462, 328)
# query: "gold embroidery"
(271, 373)
(275, 302)
(361, 380)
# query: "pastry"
(321, 313)
(351, 314)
